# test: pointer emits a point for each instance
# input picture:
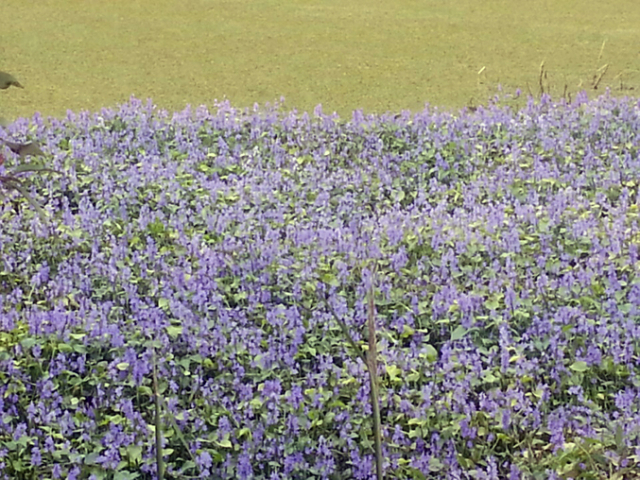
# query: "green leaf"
(458, 333)
(163, 303)
(432, 353)
(489, 378)
(225, 442)
(416, 474)
(579, 366)
(124, 475)
(330, 279)
(417, 421)
(92, 458)
(27, 343)
(134, 452)
(435, 465)
(240, 296)
(393, 371)
(492, 304)
(145, 390)
(597, 288)
(407, 331)
(174, 330)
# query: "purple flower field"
(503, 246)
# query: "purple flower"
(36, 457)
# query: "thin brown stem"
(373, 377)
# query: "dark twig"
(156, 394)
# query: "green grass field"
(375, 55)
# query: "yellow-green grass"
(378, 55)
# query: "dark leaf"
(33, 203)
(33, 167)
(7, 80)
(24, 149)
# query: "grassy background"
(372, 54)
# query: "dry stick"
(159, 465)
(596, 79)
(158, 401)
(604, 70)
(620, 77)
(602, 49)
(346, 333)
(370, 363)
(480, 73)
(540, 79)
(373, 377)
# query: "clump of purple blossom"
(505, 245)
